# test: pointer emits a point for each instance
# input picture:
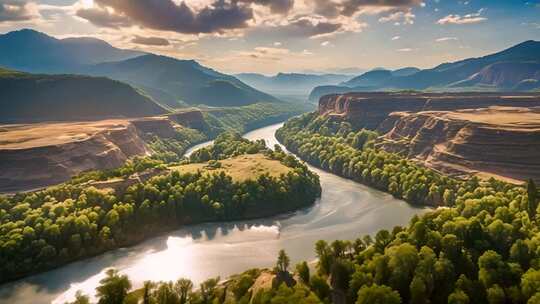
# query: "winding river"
(346, 210)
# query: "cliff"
(500, 142)
(63, 150)
(37, 155)
(369, 110)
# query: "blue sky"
(270, 36)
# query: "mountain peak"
(27, 34)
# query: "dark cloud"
(326, 8)
(103, 18)
(166, 15)
(14, 10)
(150, 41)
(307, 28)
(349, 7)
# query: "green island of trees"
(48, 228)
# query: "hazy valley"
(256, 152)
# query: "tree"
(319, 287)
(458, 297)
(282, 261)
(377, 294)
(183, 287)
(303, 272)
(532, 198)
(165, 294)
(147, 291)
(113, 288)
(80, 298)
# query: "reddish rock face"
(500, 142)
(42, 164)
(369, 110)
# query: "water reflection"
(346, 210)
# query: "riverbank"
(84, 221)
(336, 147)
(345, 210)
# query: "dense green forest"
(483, 246)
(218, 120)
(336, 147)
(48, 228)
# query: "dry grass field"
(240, 168)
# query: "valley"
(269, 152)
(457, 134)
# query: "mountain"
(31, 97)
(516, 68)
(32, 51)
(405, 71)
(290, 83)
(506, 75)
(171, 81)
(369, 79)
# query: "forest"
(48, 228)
(482, 245)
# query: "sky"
(271, 36)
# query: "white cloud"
(396, 38)
(467, 19)
(326, 43)
(444, 39)
(277, 43)
(405, 50)
(401, 17)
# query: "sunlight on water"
(346, 210)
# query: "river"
(346, 210)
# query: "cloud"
(405, 50)
(103, 18)
(14, 10)
(326, 43)
(467, 19)
(326, 8)
(276, 6)
(401, 17)
(277, 43)
(396, 38)
(155, 41)
(305, 27)
(350, 7)
(166, 15)
(444, 39)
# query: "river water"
(346, 210)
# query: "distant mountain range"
(290, 83)
(514, 69)
(32, 97)
(35, 52)
(171, 82)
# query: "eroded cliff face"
(27, 164)
(370, 110)
(500, 142)
(38, 155)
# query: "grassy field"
(240, 168)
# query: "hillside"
(510, 69)
(170, 80)
(31, 97)
(290, 83)
(32, 51)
